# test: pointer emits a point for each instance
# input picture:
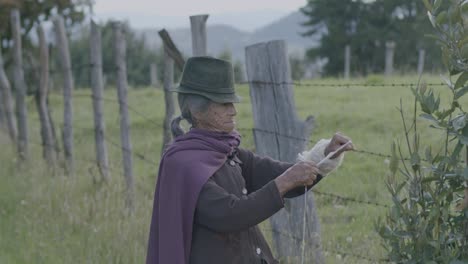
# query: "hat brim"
(215, 97)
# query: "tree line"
(366, 25)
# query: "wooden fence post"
(168, 99)
(122, 89)
(97, 88)
(62, 43)
(154, 75)
(7, 102)
(280, 134)
(171, 49)
(2, 113)
(389, 54)
(20, 85)
(421, 57)
(347, 59)
(41, 98)
(171, 56)
(198, 26)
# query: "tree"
(139, 57)
(33, 12)
(237, 66)
(297, 67)
(340, 18)
(366, 26)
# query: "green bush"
(428, 221)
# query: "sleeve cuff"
(275, 194)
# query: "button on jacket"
(239, 196)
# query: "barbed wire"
(303, 83)
(79, 67)
(367, 152)
(312, 83)
(350, 199)
(143, 157)
(88, 161)
(137, 155)
(334, 251)
(129, 107)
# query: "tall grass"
(47, 217)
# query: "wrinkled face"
(218, 117)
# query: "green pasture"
(46, 217)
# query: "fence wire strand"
(329, 250)
(143, 158)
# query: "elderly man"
(211, 194)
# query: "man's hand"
(336, 142)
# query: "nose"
(232, 109)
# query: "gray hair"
(188, 104)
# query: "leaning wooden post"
(171, 49)
(198, 26)
(172, 56)
(62, 43)
(41, 99)
(421, 56)
(347, 62)
(20, 86)
(168, 99)
(7, 102)
(122, 88)
(97, 86)
(389, 54)
(280, 134)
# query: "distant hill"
(225, 37)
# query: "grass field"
(46, 217)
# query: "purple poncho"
(185, 167)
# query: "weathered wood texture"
(280, 134)
(122, 89)
(97, 87)
(20, 86)
(347, 65)
(421, 58)
(389, 55)
(66, 69)
(154, 75)
(168, 99)
(198, 26)
(172, 49)
(41, 99)
(7, 102)
(2, 113)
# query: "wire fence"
(301, 83)
(141, 157)
(336, 251)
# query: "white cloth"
(317, 154)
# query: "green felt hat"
(210, 77)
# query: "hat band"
(197, 86)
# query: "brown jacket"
(239, 196)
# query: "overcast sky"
(244, 14)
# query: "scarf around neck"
(185, 167)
